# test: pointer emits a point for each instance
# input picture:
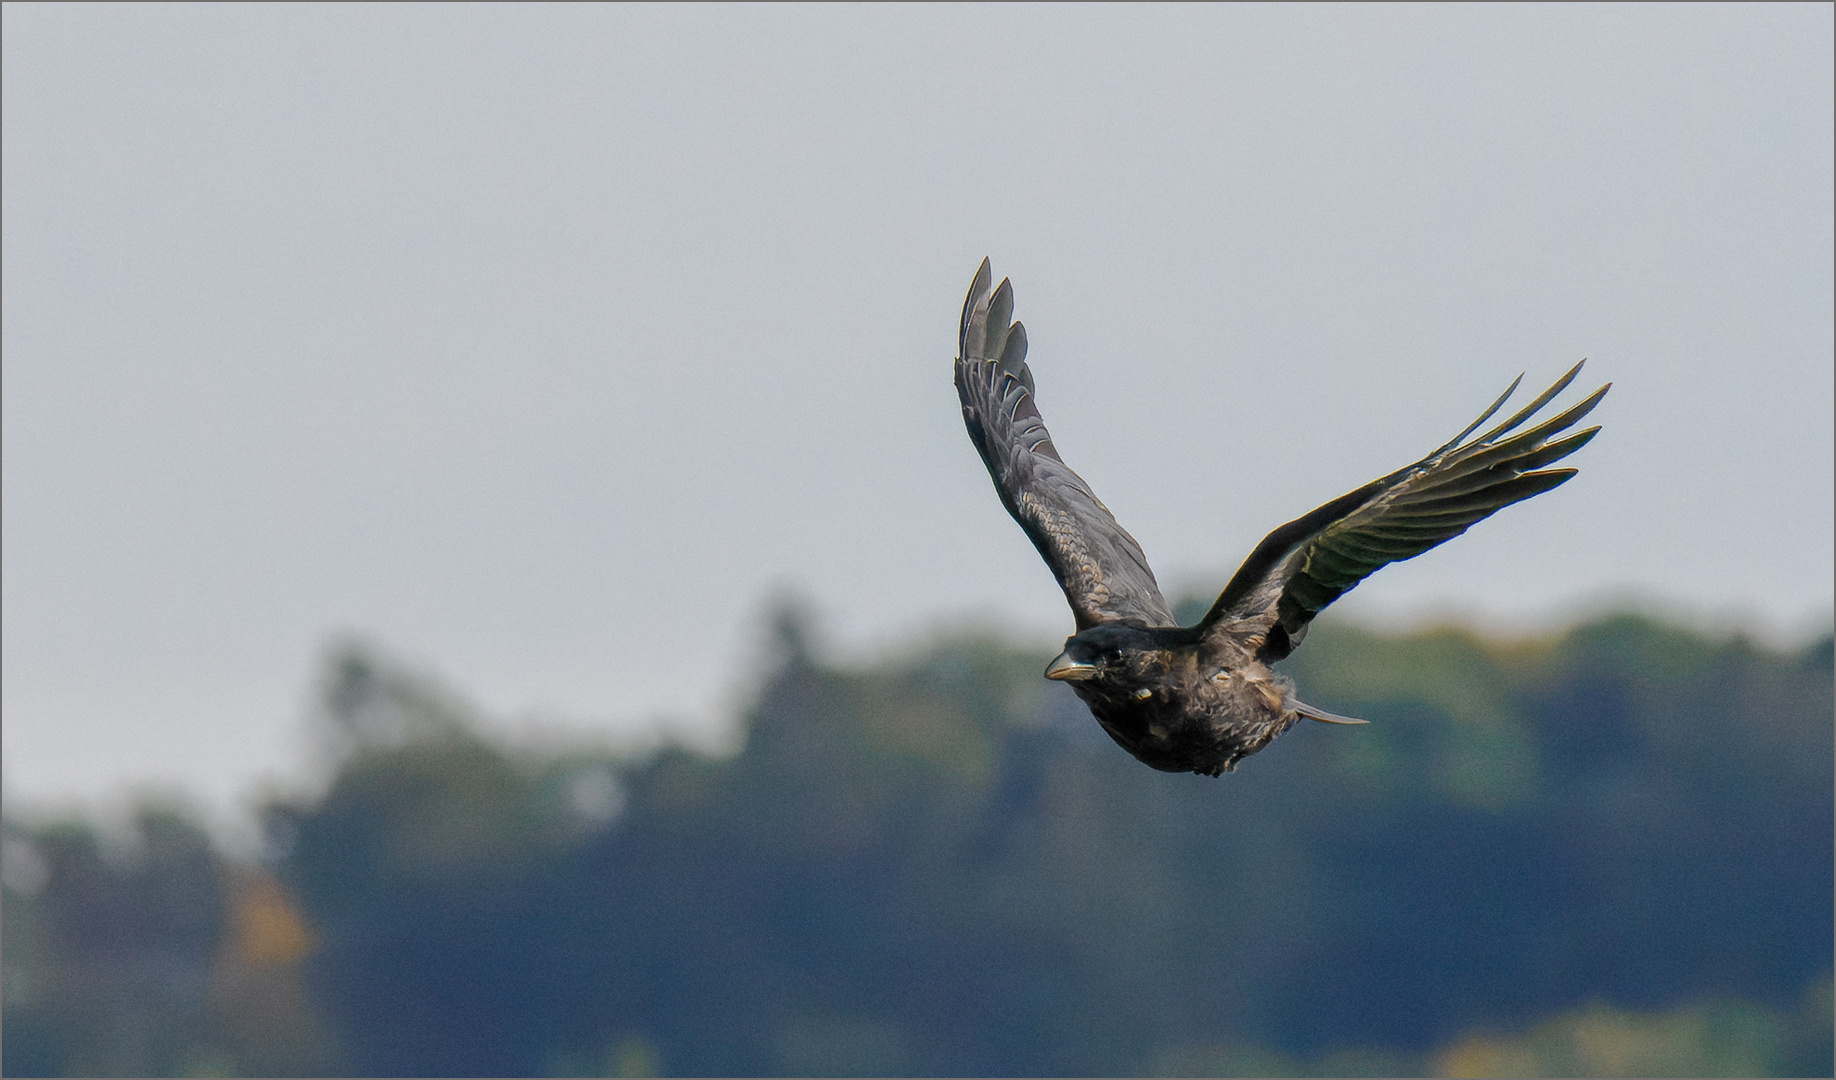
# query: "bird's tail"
(1321, 715)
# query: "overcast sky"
(541, 346)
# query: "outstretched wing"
(1308, 563)
(1101, 568)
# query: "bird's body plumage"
(1201, 698)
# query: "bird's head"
(1104, 652)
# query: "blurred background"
(495, 581)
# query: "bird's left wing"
(1101, 568)
(1310, 562)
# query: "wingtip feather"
(1484, 416)
(1013, 353)
(1529, 410)
(978, 288)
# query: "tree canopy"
(942, 866)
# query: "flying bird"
(1201, 698)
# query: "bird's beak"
(1066, 668)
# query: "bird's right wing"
(1101, 568)
(1308, 563)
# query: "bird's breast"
(1199, 720)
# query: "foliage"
(1616, 842)
(163, 959)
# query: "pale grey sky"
(540, 345)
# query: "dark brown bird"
(1201, 698)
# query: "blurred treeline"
(1604, 853)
